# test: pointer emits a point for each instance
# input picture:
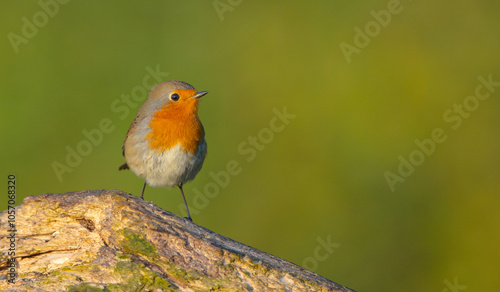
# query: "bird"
(165, 144)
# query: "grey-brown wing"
(136, 120)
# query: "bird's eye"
(174, 97)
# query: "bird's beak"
(199, 94)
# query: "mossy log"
(107, 240)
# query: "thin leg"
(185, 203)
(143, 188)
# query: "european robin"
(165, 144)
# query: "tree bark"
(107, 240)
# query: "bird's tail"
(123, 166)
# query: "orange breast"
(176, 123)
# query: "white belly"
(171, 167)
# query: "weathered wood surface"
(113, 241)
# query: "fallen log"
(114, 241)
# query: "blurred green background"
(322, 177)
